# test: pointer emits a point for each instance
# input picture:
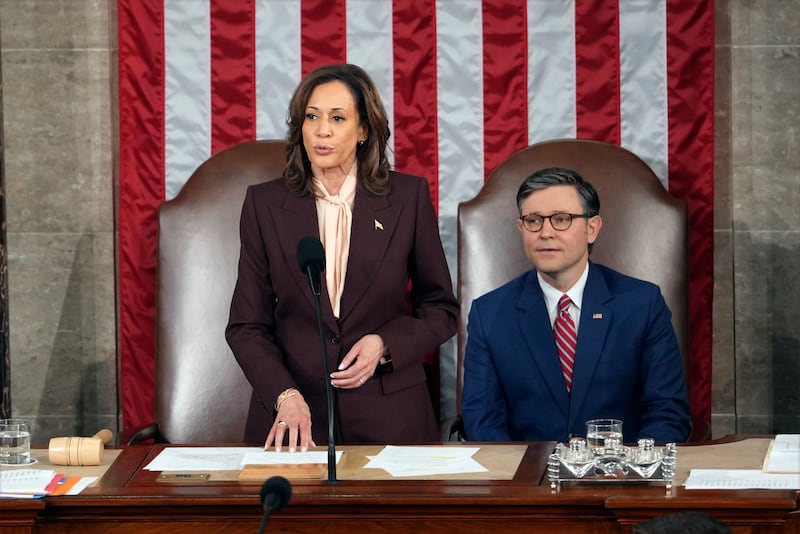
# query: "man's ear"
(593, 226)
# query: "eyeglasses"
(559, 221)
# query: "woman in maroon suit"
(380, 235)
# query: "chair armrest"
(699, 429)
(453, 429)
(140, 434)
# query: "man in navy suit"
(624, 361)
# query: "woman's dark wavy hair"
(373, 165)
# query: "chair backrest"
(644, 234)
(201, 393)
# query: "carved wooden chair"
(201, 394)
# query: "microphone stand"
(315, 289)
(264, 520)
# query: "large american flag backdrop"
(466, 83)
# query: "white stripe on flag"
(459, 70)
(187, 102)
(643, 82)
(369, 45)
(551, 70)
(459, 36)
(278, 64)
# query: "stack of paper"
(288, 458)
(739, 479)
(201, 458)
(784, 455)
(422, 461)
(32, 483)
(781, 470)
(229, 458)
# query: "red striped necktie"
(566, 339)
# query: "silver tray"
(612, 462)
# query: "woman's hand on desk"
(294, 419)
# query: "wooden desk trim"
(123, 499)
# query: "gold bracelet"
(285, 394)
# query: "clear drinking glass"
(15, 442)
(598, 430)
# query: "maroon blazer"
(273, 328)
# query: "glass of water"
(599, 430)
(15, 442)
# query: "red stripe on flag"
(324, 33)
(597, 70)
(141, 118)
(415, 128)
(505, 81)
(233, 71)
(690, 86)
(141, 189)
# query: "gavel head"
(76, 451)
(79, 451)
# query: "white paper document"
(26, 481)
(282, 458)
(81, 485)
(784, 455)
(422, 461)
(200, 458)
(230, 458)
(739, 479)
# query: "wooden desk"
(128, 499)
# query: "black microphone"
(275, 494)
(311, 257)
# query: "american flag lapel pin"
(597, 316)
(378, 225)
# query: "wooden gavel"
(79, 451)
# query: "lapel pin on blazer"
(597, 316)
(378, 225)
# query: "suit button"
(336, 340)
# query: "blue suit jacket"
(627, 364)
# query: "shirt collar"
(552, 295)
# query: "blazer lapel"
(298, 219)
(595, 320)
(374, 224)
(534, 324)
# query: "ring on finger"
(361, 381)
(282, 423)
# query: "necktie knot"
(563, 303)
